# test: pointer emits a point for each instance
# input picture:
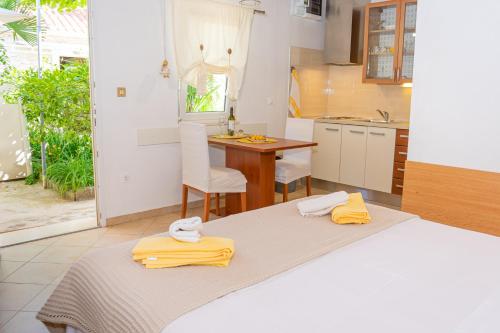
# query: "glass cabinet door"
(382, 38)
(409, 14)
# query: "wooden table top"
(281, 144)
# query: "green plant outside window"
(213, 101)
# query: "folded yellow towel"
(354, 211)
(163, 252)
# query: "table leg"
(259, 169)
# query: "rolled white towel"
(322, 205)
(186, 230)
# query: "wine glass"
(222, 125)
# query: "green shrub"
(71, 175)
(65, 145)
(65, 150)
(69, 161)
(63, 95)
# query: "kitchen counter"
(396, 124)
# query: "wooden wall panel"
(464, 198)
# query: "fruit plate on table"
(257, 139)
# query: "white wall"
(15, 161)
(455, 113)
(127, 52)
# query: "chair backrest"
(303, 130)
(195, 157)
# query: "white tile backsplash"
(352, 97)
(349, 96)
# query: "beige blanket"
(106, 291)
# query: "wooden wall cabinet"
(389, 45)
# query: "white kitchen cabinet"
(353, 155)
(359, 156)
(379, 158)
(326, 156)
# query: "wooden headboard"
(464, 198)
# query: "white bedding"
(417, 276)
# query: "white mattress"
(417, 276)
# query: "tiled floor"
(29, 272)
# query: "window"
(211, 105)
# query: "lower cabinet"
(359, 156)
(353, 155)
(379, 159)
(326, 156)
(400, 155)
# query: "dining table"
(257, 161)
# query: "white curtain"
(217, 28)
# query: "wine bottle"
(231, 122)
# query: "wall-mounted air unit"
(311, 9)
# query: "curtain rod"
(259, 11)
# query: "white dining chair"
(296, 163)
(197, 173)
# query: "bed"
(417, 276)
(411, 276)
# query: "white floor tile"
(24, 322)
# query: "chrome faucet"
(384, 115)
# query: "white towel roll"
(186, 230)
(322, 205)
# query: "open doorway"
(47, 183)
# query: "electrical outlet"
(125, 178)
(121, 91)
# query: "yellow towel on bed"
(354, 211)
(163, 252)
